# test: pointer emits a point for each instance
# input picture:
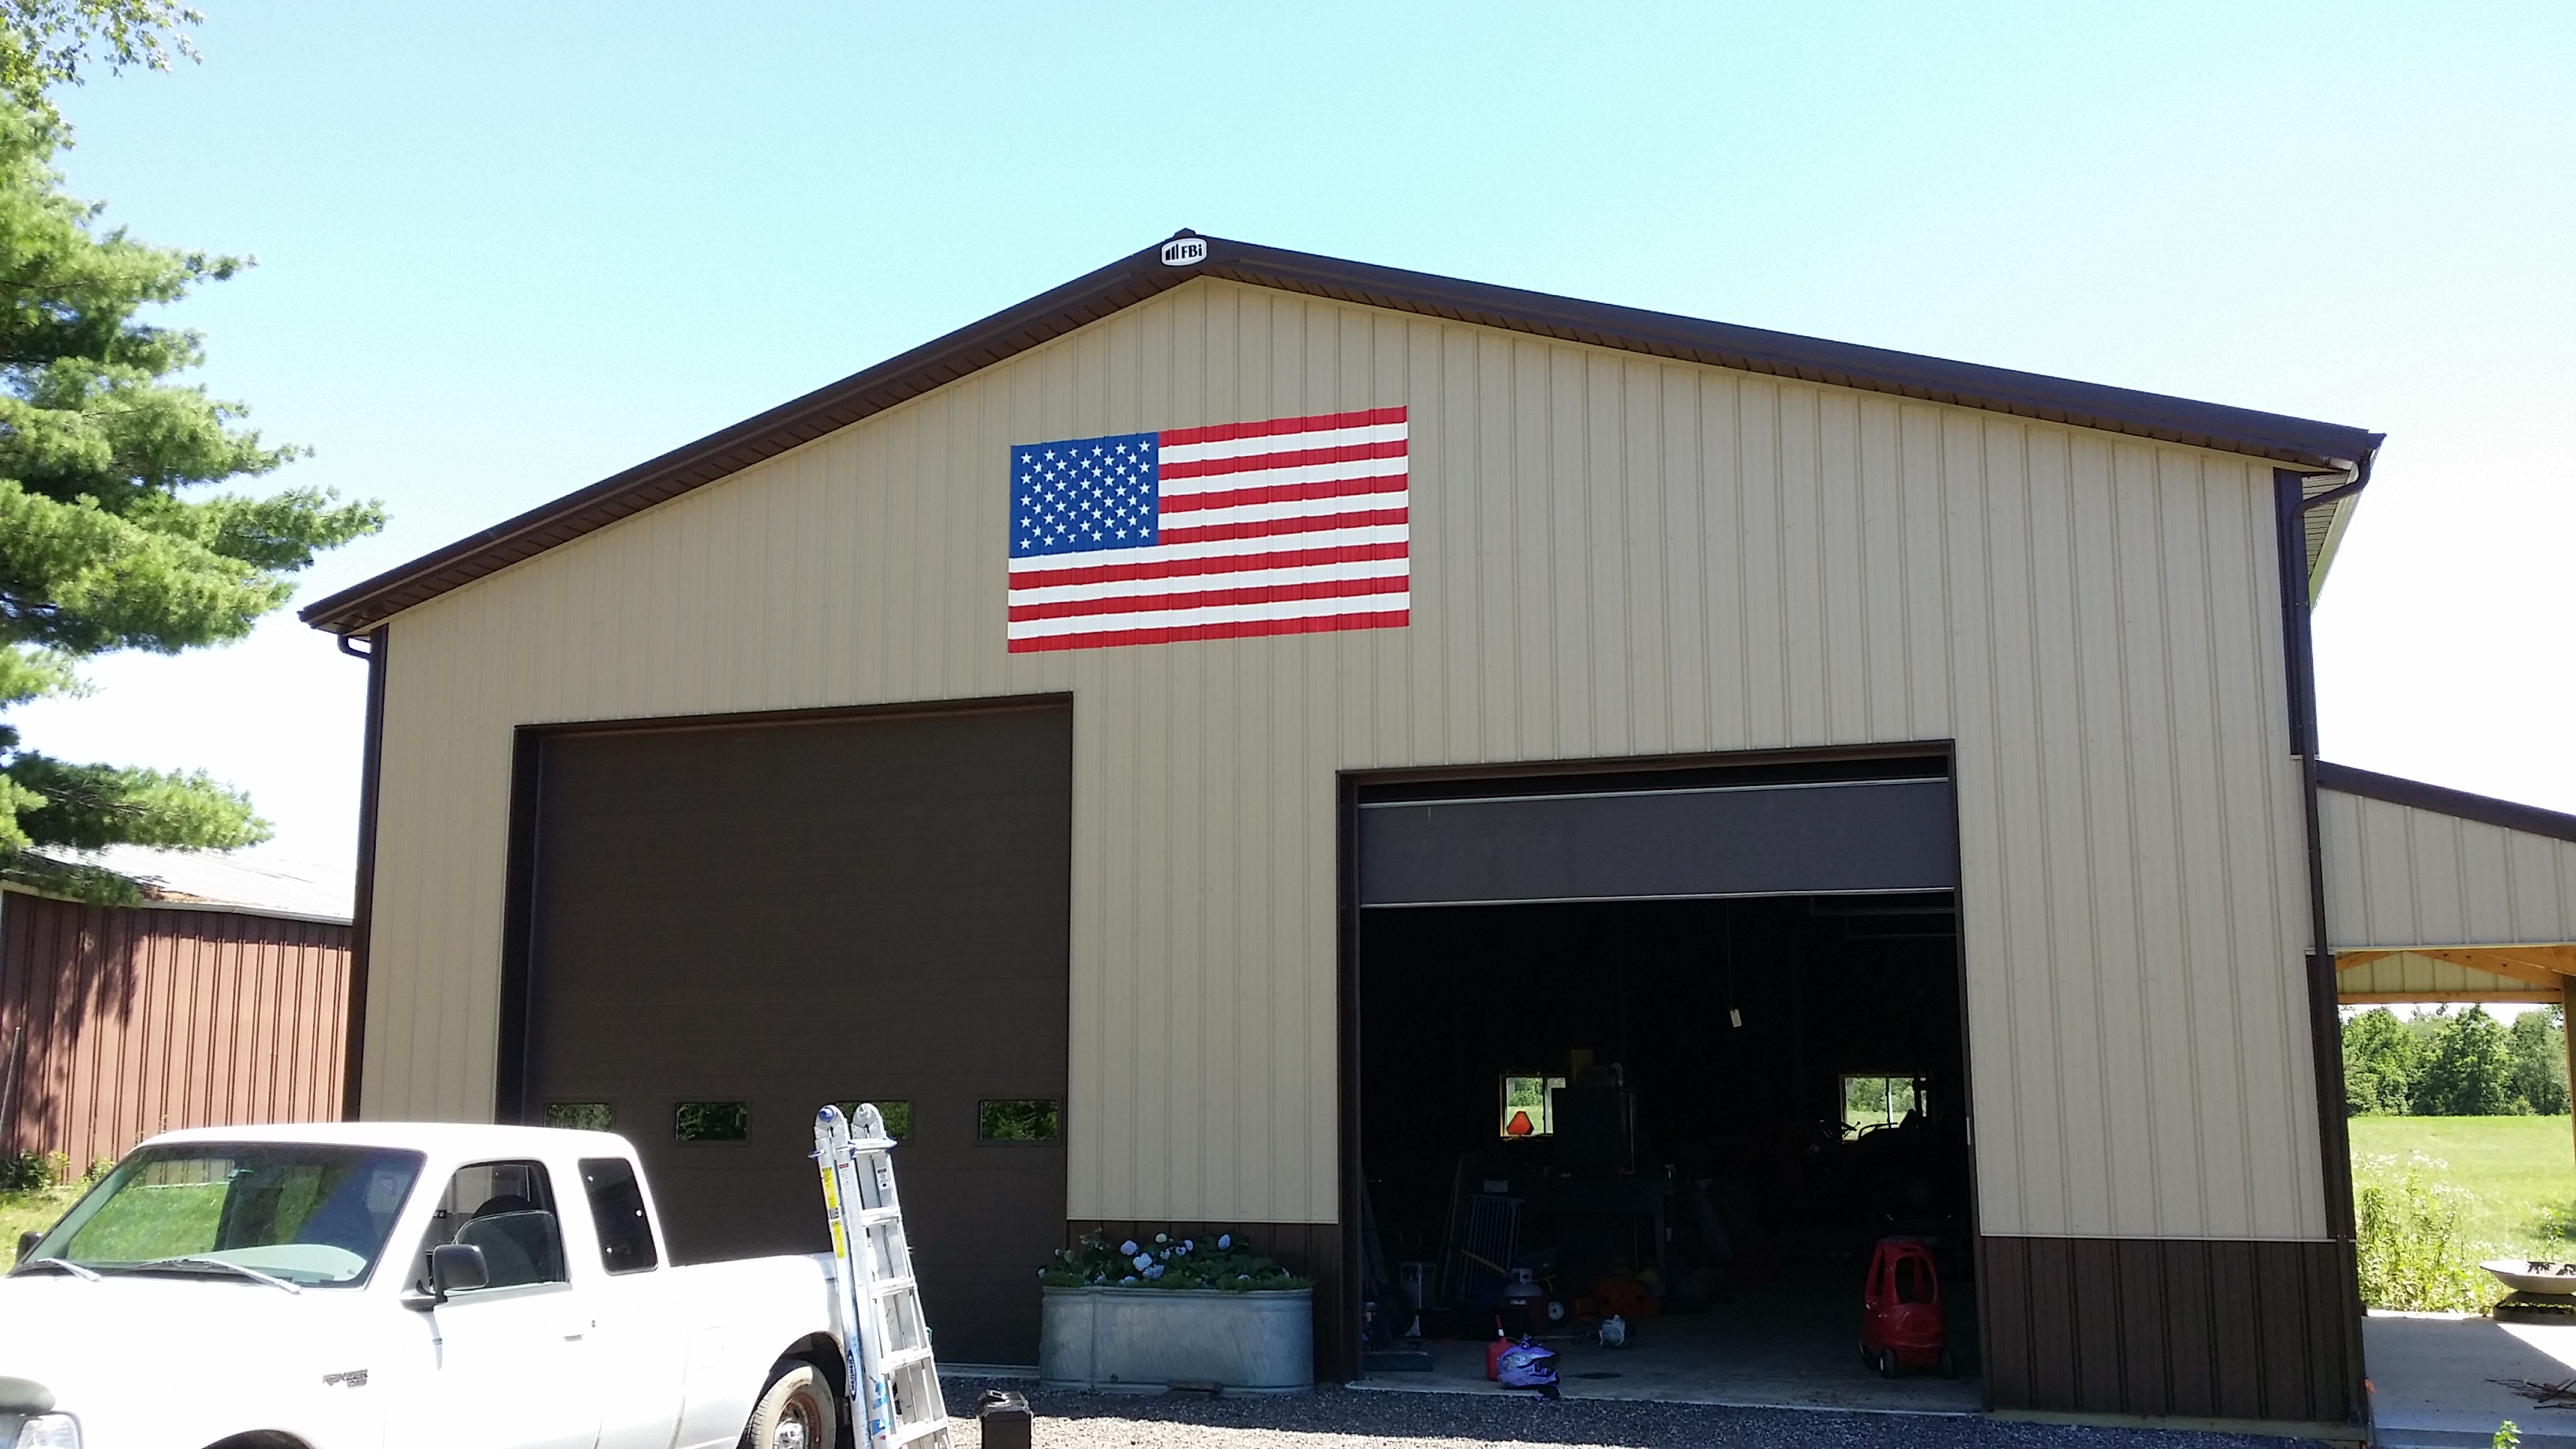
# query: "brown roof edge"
(2443, 800)
(1142, 275)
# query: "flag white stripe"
(1376, 568)
(1322, 510)
(1322, 536)
(1390, 468)
(1283, 443)
(1212, 614)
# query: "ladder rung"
(902, 1358)
(871, 1217)
(907, 1433)
(887, 1288)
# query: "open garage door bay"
(1675, 1047)
(729, 925)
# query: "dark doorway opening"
(1698, 1115)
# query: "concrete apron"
(2432, 1380)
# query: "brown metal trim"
(819, 714)
(2340, 1329)
(2442, 800)
(362, 910)
(2168, 1328)
(515, 1032)
(1342, 1342)
(1142, 275)
(1929, 751)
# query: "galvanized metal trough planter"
(1144, 1340)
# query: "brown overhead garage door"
(779, 915)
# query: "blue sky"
(506, 250)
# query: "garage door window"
(581, 1116)
(1017, 1119)
(711, 1121)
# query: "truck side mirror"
(27, 1242)
(457, 1268)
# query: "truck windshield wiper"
(87, 1275)
(166, 1265)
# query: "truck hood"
(195, 1352)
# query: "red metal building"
(222, 997)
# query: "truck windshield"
(315, 1215)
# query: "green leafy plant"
(25, 1172)
(1225, 1263)
(2413, 1254)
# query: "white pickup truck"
(390, 1285)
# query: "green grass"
(38, 1208)
(2519, 1171)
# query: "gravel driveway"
(1333, 1418)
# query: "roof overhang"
(2293, 442)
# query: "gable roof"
(2297, 442)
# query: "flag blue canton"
(1084, 494)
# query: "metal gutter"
(1148, 273)
(362, 924)
(2325, 1023)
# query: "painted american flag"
(1293, 526)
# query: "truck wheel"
(796, 1413)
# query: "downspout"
(362, 910)
(2292, 504)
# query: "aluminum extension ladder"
(894, 1385)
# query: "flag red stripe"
(1112, 638)
(1221, 432)
(1280, 493)
(1255, 462)
(1286, 558)
(1211, 598)
(1270, 527)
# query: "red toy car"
(1900, 1311)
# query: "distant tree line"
(2454, 1064)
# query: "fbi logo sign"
(1184, 251)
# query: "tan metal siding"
(1613, 555)
(125, 1022)
(2397, 875)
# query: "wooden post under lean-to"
(2567, 1029)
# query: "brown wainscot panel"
(2190, 1328)
(1310, 1250)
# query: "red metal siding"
(127, 1022)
